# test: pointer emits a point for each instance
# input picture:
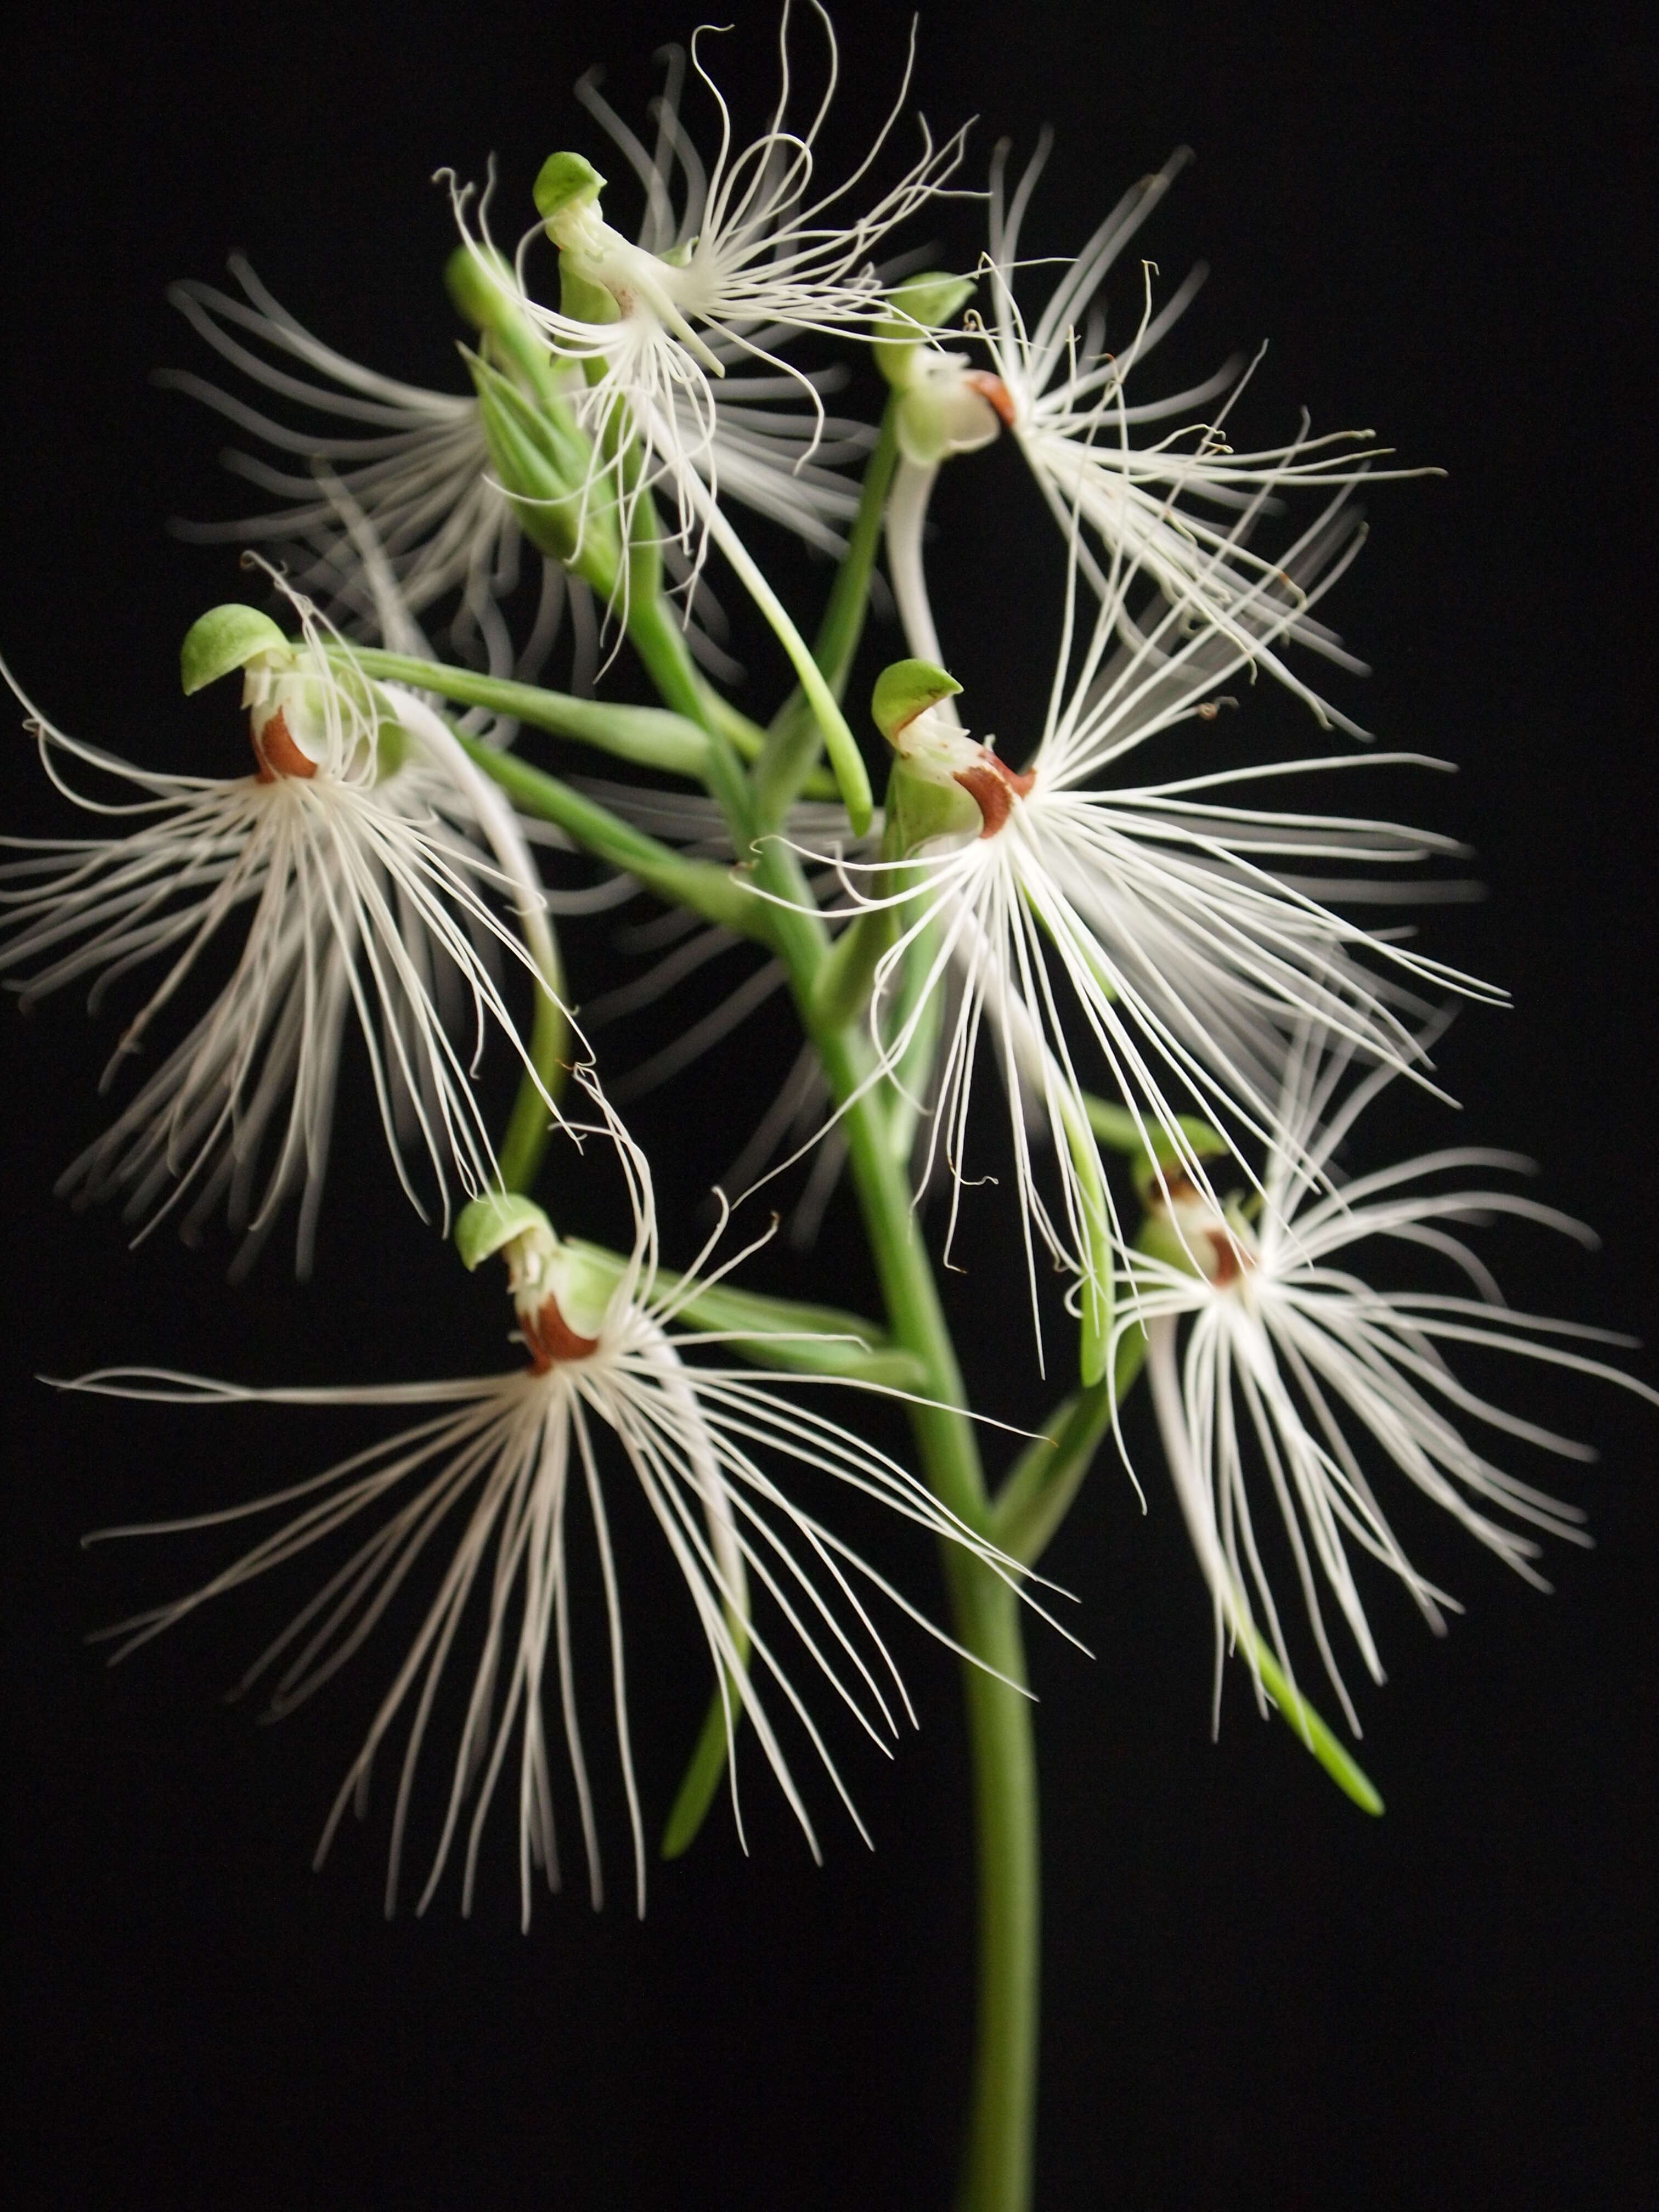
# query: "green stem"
(530, 1126)
(648, 736)
(986, 1616)
(849, 599)
(654, 631)
(791, 742)
(986, 1613)
(719, 895)
(846, 761)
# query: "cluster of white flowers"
(1159, 967)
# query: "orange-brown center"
(993, 786)
(277, 754)
(551, 1339)
(994, 389)
(1226, 1268)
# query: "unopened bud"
(544, 462)
(480, 284)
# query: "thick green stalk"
(987, 1614)
(997, 2175)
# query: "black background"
(1254, 1995)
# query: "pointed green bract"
(223, 639)
(841, 988)
(1333, 1755)
(1097, 1287)
(1046, 1478)
(695, 1794)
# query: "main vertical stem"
(997, 2176)
(998, 2164)
(985, 1612)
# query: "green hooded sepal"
(489, 1224)
(223, 639)
(567, 184)
(904, 689)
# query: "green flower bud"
(470, 278)
(545, 464)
